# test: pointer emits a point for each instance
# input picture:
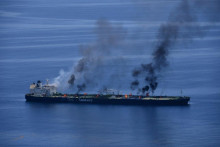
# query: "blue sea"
(40, 38)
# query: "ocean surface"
(40, 38)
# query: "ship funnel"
(39, 84)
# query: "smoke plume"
(90, 70)
(179, 25)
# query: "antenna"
(162, 91)
(47, 81)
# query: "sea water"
(39, 38)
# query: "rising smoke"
(179, 25)
(90, 70)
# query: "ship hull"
(114, 101)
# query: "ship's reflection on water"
(106, 124)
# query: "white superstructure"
(42, 90)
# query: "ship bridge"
(38, 89)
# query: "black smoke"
(81, 87)
(71, 80)
(90, 70)
(144, 89)
(134, 84)
(177, 26)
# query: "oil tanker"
(48, 94)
